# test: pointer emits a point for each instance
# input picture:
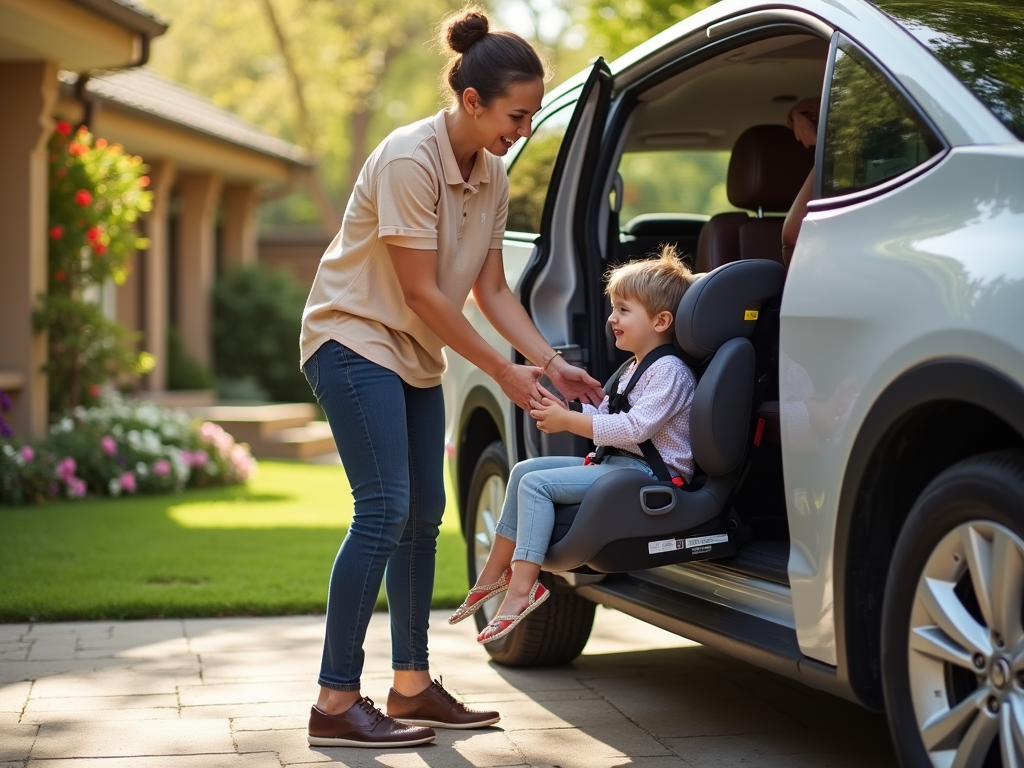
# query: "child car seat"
(628, 520)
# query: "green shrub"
(257, 313)
(183, 370)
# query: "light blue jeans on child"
(535, 486)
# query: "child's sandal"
(479, 595)
(502, 625)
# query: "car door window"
(872, 132)
(530, 174)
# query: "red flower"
(63, 128)
(62, 172)
(101, 143)
(56, 232)
(83, 197)
(60, 276)
(77, 148)
(99, 249)
(143, 181)
(95, 390)
(93, 235)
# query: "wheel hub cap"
(967, 648)
(1000, 674)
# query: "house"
(83, 61)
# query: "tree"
(334, 77)
(616, 26)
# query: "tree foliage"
(615, 26)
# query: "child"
(644, 297)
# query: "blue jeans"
(390, 436)
(536, 485)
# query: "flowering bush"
(121, 447)
(97, 194)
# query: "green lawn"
(265, 549)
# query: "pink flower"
(127, 481)
(76, 487)
(27, 453)
(198, 458)
(66, 469)
(109, 445)
(208, 429)
(162, 468)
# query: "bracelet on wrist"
(555, 354)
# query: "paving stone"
(16, 651)
(13, 632)
(268, 709)
(51, 647)
(254, 760)
(244, 693)
(17, 671)
(290, 746)
(278, 723)
(40, 704)
(17, 742)
(10, 718)
(106, 682)
(788, 751)
(669, 710)
(572, 747)
(14, 696)
(263, 665)
(482, 749)
(143, 738)
(101, 715)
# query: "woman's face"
(508, 118)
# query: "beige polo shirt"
(409, 193)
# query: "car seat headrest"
(724, 304)
(767, 168)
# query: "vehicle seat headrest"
(724, 304)
(767, 168)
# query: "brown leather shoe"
(437, 708)
(363, 725)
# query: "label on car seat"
(706, 541)
(750, 314)
(665, 545)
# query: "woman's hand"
(519, 383)
(575, 383)
(803, 120)
(551, 415)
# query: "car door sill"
(755, 640)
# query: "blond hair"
(655, 284)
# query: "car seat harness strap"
(618, 402)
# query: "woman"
(423, 227)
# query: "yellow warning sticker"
(750, 314)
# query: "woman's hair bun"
(465, 29)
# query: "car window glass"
(872, 132)
(530, 174)
(982, 43)
(679, 181)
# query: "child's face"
(635, 330)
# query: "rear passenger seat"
(766, 170)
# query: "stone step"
(255, 423)
(306, 442)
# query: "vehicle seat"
(628, 520)
(766, 170)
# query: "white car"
(858, 520)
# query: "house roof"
(128, 13)
(140, 90)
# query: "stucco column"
(154, 272)
(239, 225)
(198, 196)
(28, 91)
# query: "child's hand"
(551, 415)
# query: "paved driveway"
(236, 692)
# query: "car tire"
(952, 660)
(556, 632)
